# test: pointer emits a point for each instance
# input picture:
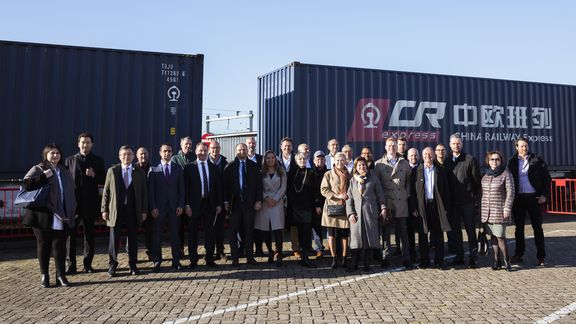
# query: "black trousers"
(89, 245)
(242, 223)
(204, 216)
(458, 214)
(412, 229)
(528, 204)
(164, 216)
(220, 231)
(401, 229)
(304, 238)
(436, 236)
(54, 242)
(126, 219)
(148, 226)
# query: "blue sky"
(520, 40)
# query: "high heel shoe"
(497, 264)
(334, 264)
(344, 262)
(45, 281)
(62, 281)
(507, 265)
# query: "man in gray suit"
(166, 200)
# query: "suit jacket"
(87, 195)
(441, 196)
(252, 185)
(259, 161)
(395, 181)
(112, 188)
(165, 194)
(193, 185)
(538, 174)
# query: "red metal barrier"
(562, 197)
(11, 217)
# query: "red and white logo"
(370, 115)
(368, 119)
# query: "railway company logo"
(173, 93)
(370, 115)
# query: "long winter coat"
(396, 183)
(364, 234)
(267, 217)
(497, 197)
(441, 196)
(329, 188)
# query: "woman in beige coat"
(271, 216)
(335, 187)
(496, 205)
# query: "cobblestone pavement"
(292, 294)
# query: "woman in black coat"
(301, 197)
(51, 223)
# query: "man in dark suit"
(432, 204)
(166, 201)
(203, 203)
(143, 163)
(287, 161)
(88, 172)
(124, 205)
(243, 197)
(256, 158)
(221, 162)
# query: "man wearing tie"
(166, 200)
(124, 204)
(243, 197)
(203, 203)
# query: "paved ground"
(293, 294)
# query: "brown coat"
(497, 197)
(329, 188)
(396, 183)
(110, 193)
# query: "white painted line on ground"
(558, 314)
(282, 297)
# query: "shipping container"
(314, 103)
(51, 93)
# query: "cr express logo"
(370, 114)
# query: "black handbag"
(483, 248)
(336, 210)
(33, 198)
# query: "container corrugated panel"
(364, 107)
(51, 93)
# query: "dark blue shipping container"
(314, 103)
(51, 93)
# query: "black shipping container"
(314, 103)
(51, 93)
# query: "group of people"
(356, 202)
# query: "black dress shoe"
(62, 281)
(472, 264)
(306, 263)
(407, 265)
(45, 281)
(385, 264)
(211, 264)
(156, 267)
(440, 266)
(334, 264)
(457, 262)
(193, 265)
(367, 268)
(252, 261)
(71, 270)
(516, 259)
(271, 258)
(236, 263)
(541, 262)
(507, 265)
(88, 269)
(177, 266)
(424, 265)
(134, 271)
(259, 253)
